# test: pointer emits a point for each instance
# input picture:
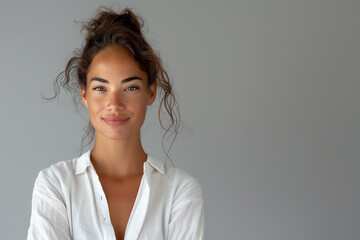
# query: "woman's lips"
(115, 121)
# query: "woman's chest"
(120, 196)
(97, 211)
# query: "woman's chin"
(116, 135)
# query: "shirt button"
(101, 197)
(105, 219)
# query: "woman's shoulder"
(55, 182)
(185, 182)
(180, 181)
(64, 171)
(64, 168)
(185, 189)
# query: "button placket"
(103, 208)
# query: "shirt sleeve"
(48, 215)
(187, 213)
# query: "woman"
(116, 190)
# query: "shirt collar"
(84, 162)
(158, 165)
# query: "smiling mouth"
(115, 121)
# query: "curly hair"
(120, 29)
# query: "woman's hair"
(112, 29)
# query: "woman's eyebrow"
(122, 81)
(99, 79)
(130, 79)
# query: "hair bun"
(109, 19)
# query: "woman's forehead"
(115, 62)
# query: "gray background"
(269, 92)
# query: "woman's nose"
(115, 102)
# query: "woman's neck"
(118, 158)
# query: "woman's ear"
(83, 95)
(152, 93)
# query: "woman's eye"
(99, 88)
(132, 88)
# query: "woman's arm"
(49, 218)
(187, 214)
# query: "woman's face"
(117, 94)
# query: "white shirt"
(69, 203)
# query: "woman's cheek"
(95, 105)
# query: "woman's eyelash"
(99, 88)
(131, 88)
